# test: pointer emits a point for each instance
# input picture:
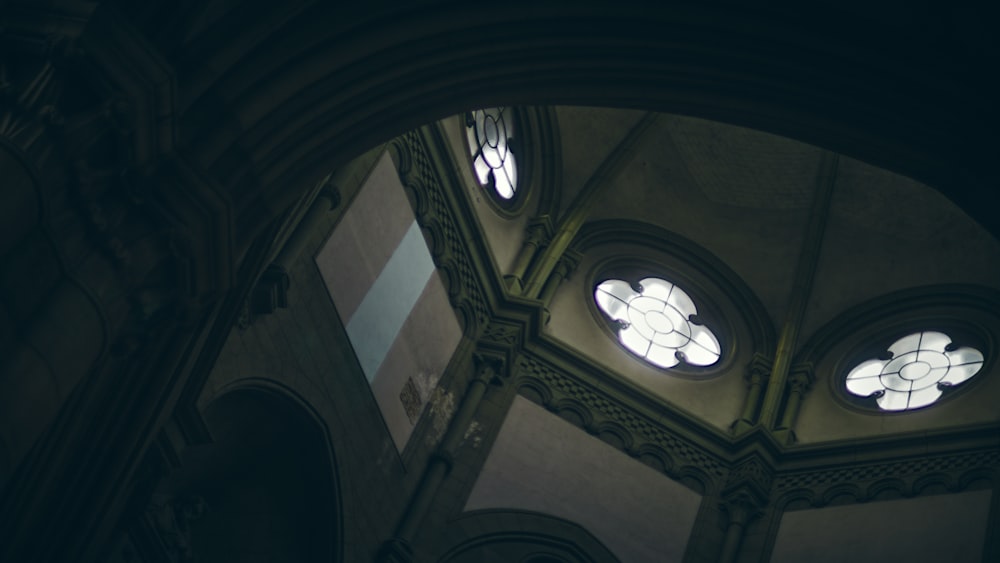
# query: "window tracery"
(658, 321)
(489, 132)
(917, 369)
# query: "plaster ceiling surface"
(587, 135)
(886, 233)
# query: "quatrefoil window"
(919, 368)
(657, 321)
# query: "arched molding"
(695, 478)
(888, 488)
(935, 483)
(844, 493)
(547, 164)
(655, 457)
(535, 391)
(550, 535)
(616, 435)
(574, 412)
(796, 499)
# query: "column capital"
(758, 370)
(801, 377)
(491, 367)
(748, 486)
(567, 263)
(539, 229)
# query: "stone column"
(538, 230)
(398, 549)
(739, 514)
(747, 491)
(799, 382)
(757, 373)
(567, 263)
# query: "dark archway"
(267, 481)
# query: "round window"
(658, 321)
(914, 371)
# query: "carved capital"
(567, 263)
(741, 508)
(801, 377)
(758, 370)
(539, 230)
(491, 368)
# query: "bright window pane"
(634, 341)
(917, 372)
(894, 400)
(964, 355)
(659, 325)
(662, 356)
(960, 373)
(489, 133)
(923, 397)
(864, 386)
(906, 344)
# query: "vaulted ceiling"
(744, 201)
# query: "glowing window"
(489, 132)
(918, 368)
(658, 322)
